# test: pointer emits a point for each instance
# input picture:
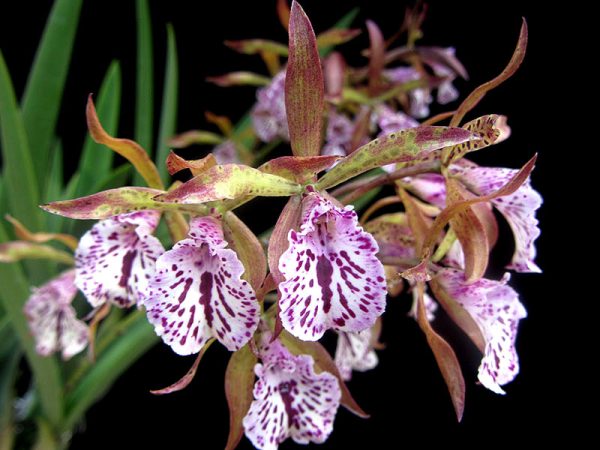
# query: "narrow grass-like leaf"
(144, 105)
(19, 177)
(9, 361)
(14, 293)
(42, 98)
(96, 160)
(168, 116)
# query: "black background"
(405, 394)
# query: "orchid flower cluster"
(322, 268)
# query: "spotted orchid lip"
(197, 293)
(290, 400)
(333, 280)
(355, 351)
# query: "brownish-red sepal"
(444, 356)
(283, 13)
(248, 248)
(176, 163)
(469, 231)
(257, 46)
(21, 232)
(442, 56)
(98, 315)
(323, 363)
(515, 61)
(192, 137)
(278, 326)
(335, 73)
(336, 36)
(417, 221)
(187, 378)
(444, 217)
(278, 243)
(376, 335)
(299, 168)
(419, 273)
(127, 148)
(394, 282)
(304, 86)
(458, 314)
(239, 383)
(376, 56)
(223, 123)
(14, 251)
(240, 78)
(360, 131)
(268, 285)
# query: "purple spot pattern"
(354, 351)
(269, 118)
(115, 259)
(290, 400)
(52, 320)
(518, 209)
(496, 309)
(197, 293)
(332, 276)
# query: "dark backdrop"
(405, 394)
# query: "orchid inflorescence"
(321, 267)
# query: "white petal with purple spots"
(496, 309)
(390, 121)
(355, 351)
(290, 400)
(52, 319)
(518, 208)
(198, 293)
(430, 187)
(115, 259)
(332, 277)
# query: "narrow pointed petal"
(354, 351)
(334, 71)
(52, 319)
(18, 250)
(496, 309)
(176, 163)
(241, 78)
(376, 56)
(22, 233)
(198, 293)
(431, 306)
(304, 86)
(298, 168)
(116, 258)
(289, 219)
(518, 208)
(290, 400)
(332, 277)
(336, 36)
(191, 137)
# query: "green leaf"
(42, 98)
(9, 361)
(144, 81)
(341, 24)
(135, 340)
(19, 177)
(168, 116)
(96, 160)
(54, 185)
(304, 86)
(401, 146)
(15, 291)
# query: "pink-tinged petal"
(116, 258)
(496, 309)
(389, 120)
(290, 400)
(332, 277)
(430, 187)
(446, 92)
(518, 208)
(226, 153)
(198, 293)
(268, 115)
(354, 351)
(52, 319)
(401, 75)
(420, 99)
(455, 257)
(430, 304)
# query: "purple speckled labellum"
(376, 56)
(176, 163)
(475, 97)
(185, 380)
(304, 87)
(323, 363)
(248, 249)
(239, 380)
(470, 231)
(128, 149)
(444, 356)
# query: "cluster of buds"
(322, 268)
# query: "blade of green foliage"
(54, 186)
(144, 87)
(46, 374)
(343, 23)
(135, 340)
(9, 361)
(3, 197)
(43, 93)
(169, 106)
(96, 160)
(19, 174)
